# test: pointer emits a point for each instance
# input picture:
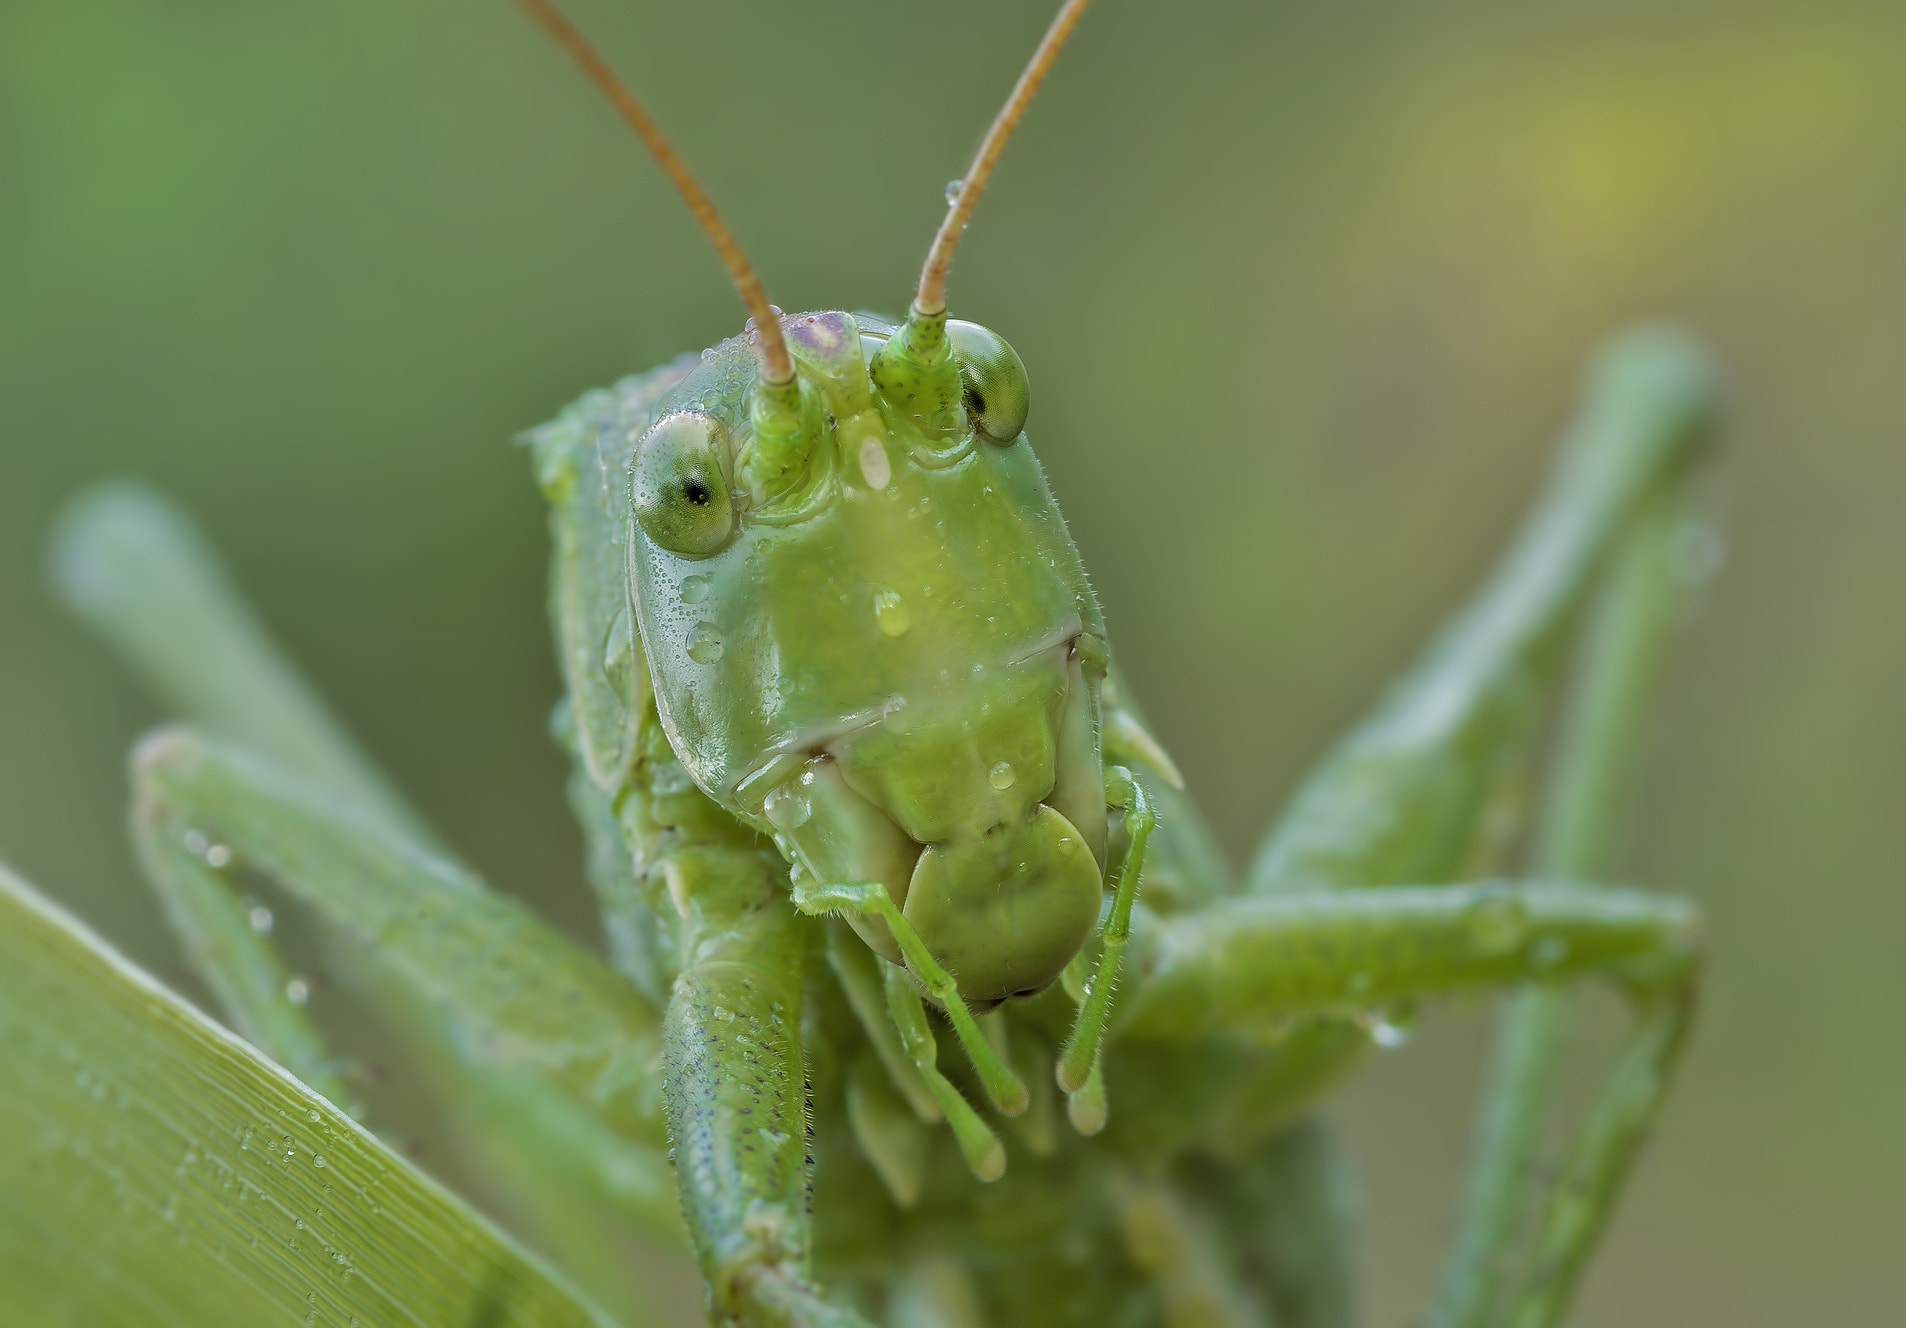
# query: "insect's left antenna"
(776, 368)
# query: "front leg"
(734, 1080)
(736, 1100)
(1250, 966)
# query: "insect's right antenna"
(776, 368)
(931, 298)
(914, 368)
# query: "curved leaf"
(155, 1169)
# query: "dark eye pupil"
(975, 402)
(696, 492)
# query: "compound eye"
(681, 494)
(997, 393)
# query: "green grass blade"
(154, 1169)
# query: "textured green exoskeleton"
(873, 824)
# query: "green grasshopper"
(882, 844)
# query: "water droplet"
(312, 1115)
(874, 466)
(297, 991)
(1001, 776)
(317, 1159)
(1390, 1029)
(195, 843)
(217, 855)
(705, 643)
(890, 611)
(1497, 923)
(694, 589)
(260, 918)
(788, 808)
(953, 188)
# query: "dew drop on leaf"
(705, 643)
(890, 611)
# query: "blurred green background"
(1304, 290)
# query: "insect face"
(873, 635)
